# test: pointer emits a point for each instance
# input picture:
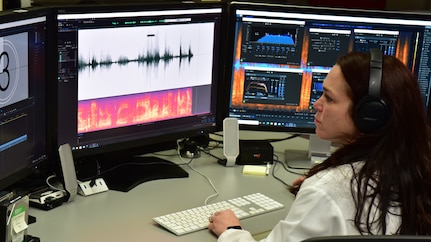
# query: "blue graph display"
(277, 39)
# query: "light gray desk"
(118, 216)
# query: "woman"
(377, 182)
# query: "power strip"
(87, 188)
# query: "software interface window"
(281, 58)
(22, 95)
(138, 74)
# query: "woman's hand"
(298, 181)
(296, 184)
(219, 221)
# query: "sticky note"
(254, 170)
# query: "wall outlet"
(91, 187)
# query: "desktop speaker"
(230, 140)
(68, 170)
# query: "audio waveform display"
(127, 60)
(148, 58)
(135, 109)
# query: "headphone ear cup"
(370, 114)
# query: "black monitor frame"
(149, 136)
(31, 150)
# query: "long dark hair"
(397, 156)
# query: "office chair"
(359, 238)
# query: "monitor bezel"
(160, 141)
(36, 167)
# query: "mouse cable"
(277, 161)
(188, 163)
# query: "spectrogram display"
(114, 112)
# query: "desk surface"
(119, 216)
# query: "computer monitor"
(133, 77)
(23, 99)
(280, 55)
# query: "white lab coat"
(323, 207)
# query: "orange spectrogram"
(402, 52)
(135, 109)
(304, 54)
(306, 78)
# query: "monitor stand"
(318, 151)
(130, 171)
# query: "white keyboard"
(195, 219)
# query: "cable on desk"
(287, 167)
(269, 140)
(209, 153)
(283, 139)
(277, 161)
(188, 163)
(52, 186)
(218, 142)
(276, 157)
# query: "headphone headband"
(375, 72)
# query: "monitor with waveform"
(280, 54)
(133, 79)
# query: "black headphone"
(371, 112)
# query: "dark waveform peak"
(149, 58)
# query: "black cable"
(276, 161)
(287, 169)
(218, 144)
(278, 178)
(268, 140)
(209, 153)
(283, 139)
